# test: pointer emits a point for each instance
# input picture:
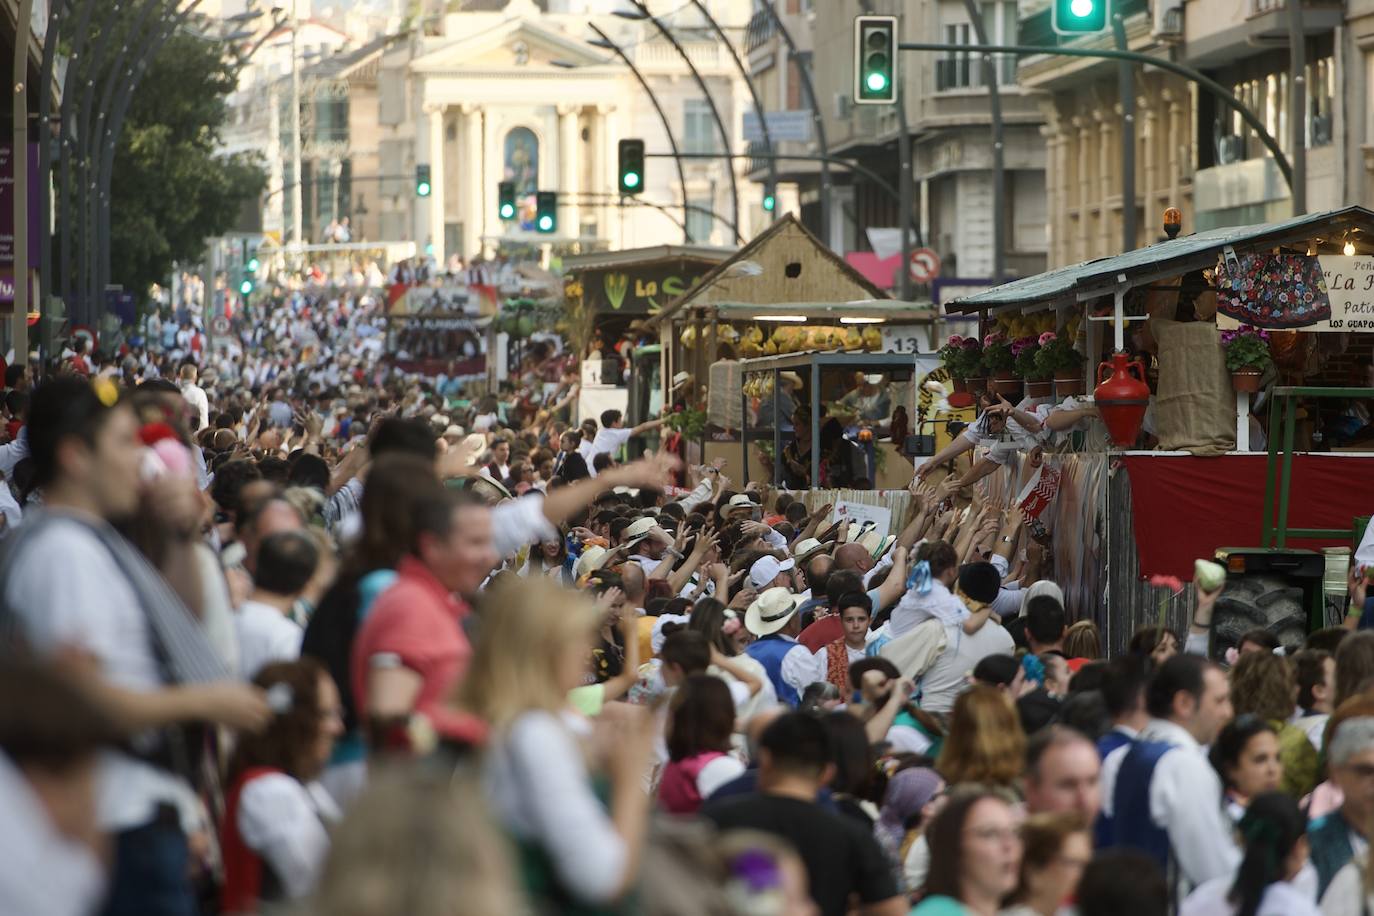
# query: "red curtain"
(1186, 507)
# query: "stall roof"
(888, 309)
(776, 266)
(628, 257)
(1155, 262)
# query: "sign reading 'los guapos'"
(1289, 290)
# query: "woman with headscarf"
(907, 806)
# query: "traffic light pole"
(1162, 63)
(604, 41)
(665, 209)
(753, 95)
(710, 101)
(817, 121)
(1126, 89)
(868, 173)
(999, 173)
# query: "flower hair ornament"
(754, 886)
(280, 698)
(919, 578)
(732, 624)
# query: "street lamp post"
(297, 216)
(604, 41)
(753, 95)
(643, 13)
(19, 160)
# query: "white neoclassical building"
(522, 94)
(537, 93)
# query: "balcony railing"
(760, 29)
(1265, 6)
(966, 72)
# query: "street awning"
(1090, 279)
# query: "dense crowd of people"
(287, 630)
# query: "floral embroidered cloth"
(1273, 291)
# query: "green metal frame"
(1284, 399)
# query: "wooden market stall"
(609, 296)
(1195, 480)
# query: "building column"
(435, 116)
(1171, 131)
(1145, 105)
(570, 170)
(607, 137)
(1106, 185)
(474, 203)
(1084, 154)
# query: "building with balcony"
(947, 116)
(1191, 150)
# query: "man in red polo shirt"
(411, 650)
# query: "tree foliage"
(171, 190)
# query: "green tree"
(171, 190)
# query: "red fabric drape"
(1186, 507)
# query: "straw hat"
(806, 549)
(680, 380)
(590, 561)
(644, 528)
(771, 611)
(739, 502)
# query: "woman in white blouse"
(1270, 880)
(544, 763)
(275, 833)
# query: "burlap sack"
(1195, 407)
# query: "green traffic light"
(253, 265)
(507, 211)
(769, 202)
(546, 223)
(1082, 8)
(246, 287)
(631, 179)
(422, 189)
(877, 82)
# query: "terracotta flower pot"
(1039, 388)
(961, 385)
(977, 384)
(1007, 383)
(1246, 380)
(1068, 382)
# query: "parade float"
(1232, 371)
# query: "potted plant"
(1247, 356)
(963, 360)
(1038, 382)
(1059, 359)
(999, 359)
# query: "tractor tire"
(1260, 602)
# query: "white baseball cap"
(766, 569)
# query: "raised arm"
(647, 425)
(956, 448)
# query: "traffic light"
(246, 282)
(545, 211)
(422, 185)
(770, 197)
(253, 265)
(1078, 17)
(505, 197)
(631, 156)
(875, 59)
